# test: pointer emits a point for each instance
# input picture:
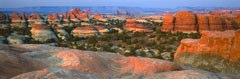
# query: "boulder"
(42, 33)
(214, 51)
(185, 22)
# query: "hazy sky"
(132, 3)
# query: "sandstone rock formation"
(99, 17)
(214, 51)
(55, 62)
(42, 33)
(34, 19)
(76, 15)
(131, 25)
(168, 23)
(203, 23)
(53, 19)
(237, 20)
(185, 21)
(215, 23)
(84, 31)
(18, 20)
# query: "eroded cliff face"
(185, 21)
(168, 23)
(203, 23)
(214, 51)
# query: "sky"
(129, 3)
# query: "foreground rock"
(214, 51)
(55, 73)
(21, 59)
(190, 74)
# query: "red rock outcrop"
(131, 25)
(203, 23)
(167, 24)
(212, 48)
(65, 17)
(77, 14)
(53, 18)
(215, 23)
(237, 20)
(34, 19)
(26, 58)
(228, 24)
(185, 21)
(18, 20)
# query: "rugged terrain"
(42, 61)
(214, 51)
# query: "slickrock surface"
(190, 74)
(55, 73)
(24, 58)
(28, 61)
(185, 21)
(214, 51)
